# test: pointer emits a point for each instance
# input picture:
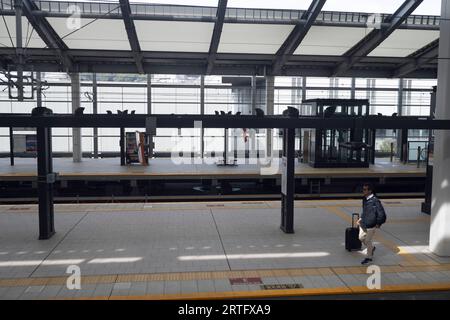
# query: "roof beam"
(421, 57)
(132, 35)
(47, 33)
(122, 61)
(376, 36)
(212, 121)
(297, 35)
(334, 22)
(217, 33)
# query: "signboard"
(31, 143)
(140, 138)
(135, 148)
(131, 147)
(20, 144)
(25, 143)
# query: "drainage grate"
(215, 205)
(393, 202)
(18, 209)
(235, 281)
(281, 286)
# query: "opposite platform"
(164, 168)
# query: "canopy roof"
(151, 38)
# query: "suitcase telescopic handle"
(353, 218)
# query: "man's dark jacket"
(373, 213)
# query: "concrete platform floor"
(210, 250)
(25, 169)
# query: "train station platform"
(211, 250)
(164, 168)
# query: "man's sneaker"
(366, 261)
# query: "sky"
(428, 7)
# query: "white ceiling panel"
(333, 41)
(174, 35)
(403, 42)
(253, 38)
(29, 35)
(102, 34)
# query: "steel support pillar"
(149, 94)
(19, 49)
(288, 181)
(150, 134)
(202, 111)
(252, 132)
(304, 88)
(399, 113)
(353, 89)
(270, 93)
(426, 205)
(38, 90)
(122, 146)
(11, 146)
(95, 111)
(76, 103)
(403, 145)
(45, 181)
(373, 138)
(225, 146)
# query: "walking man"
(372, 217)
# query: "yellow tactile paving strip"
(282, 293)
(218, 275)
(232, 294)
(285, 293)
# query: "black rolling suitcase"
(352, 241)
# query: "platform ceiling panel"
(174, 35)
(403, 42)
(253, 38)
(29, 35)
(102, 34)
(336, 41)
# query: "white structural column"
(76, 103)
(440, 205)
(202, 111)
(252, 133)
(149, 94)
(270, 96)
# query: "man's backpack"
(381, 214)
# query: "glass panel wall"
(181, 94)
